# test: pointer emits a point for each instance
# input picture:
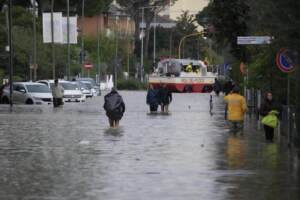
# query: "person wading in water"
(114, 107)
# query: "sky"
(194, 6)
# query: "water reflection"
(236, 153)
(72, 154)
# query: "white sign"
(243, 40)
(142, 25)
(57, 24)
(73, 30)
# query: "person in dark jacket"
(265, 108)
(228, 87)
(165, 98)
(217, 87)
(1, 90)
(114, 107)
(152, 99)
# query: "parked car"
(72, 91)
(87, 91)
(27, 93)
(96, 89)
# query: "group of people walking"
(236, 107)
(159, 97)
(115, 106)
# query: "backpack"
(112, 102)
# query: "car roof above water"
(28, 83)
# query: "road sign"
(57, 27)
(88, 65)
(287, 60)
(72, 28)
(256, 40)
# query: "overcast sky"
(194, 6)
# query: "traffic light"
(83, 57)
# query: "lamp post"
(116, 63)
(52, 40)
(10, 54)
(98, 51)
(142, 46)
(68, 40)
(182, 40)
(82, 36)
(128, 44)
(34, 41)
(154, 38)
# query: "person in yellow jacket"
(189, 68)
(236, 108)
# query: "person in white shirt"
(58, 94)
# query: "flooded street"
(70, 153)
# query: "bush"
(130, 84)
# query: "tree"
(229, 20)
(186, 25)
(134, 9)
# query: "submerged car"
(95, 88)
(85, 89)
(27, 93)
(72, 92)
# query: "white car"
(94, 87)
(27, 93)
(72, 92)
(85, 89)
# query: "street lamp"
(52, 40)
(34, 42)
(182, 40)
(98, 50)
(116, 63)
(68, 40)
(142, 35)
(154, 38)
(10, 53)
(82, 37)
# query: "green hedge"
(131, 84)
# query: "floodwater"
(70, 153)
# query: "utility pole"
(142, 47)
(170, 44)
(68, 40)
(128, 47)
(115, 69)
(52, 40)
(34, 42)
(154, 39)
(10, 54)
(82, 37)
(98, 50)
